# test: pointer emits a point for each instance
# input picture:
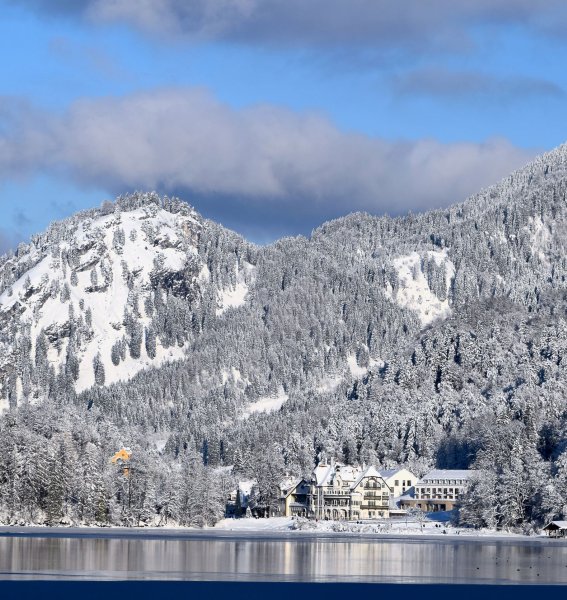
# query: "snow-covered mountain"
(437, 339)
(145, 282)
(82, 300)
(103, 266)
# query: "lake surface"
(287, 557)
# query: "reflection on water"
(283, 560)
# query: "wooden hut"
(556, 529)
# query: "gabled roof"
(325, 474)
(288, 482)
(556, 525)
(368, 472)
(449, 474)
(289, 485)
(322, 474)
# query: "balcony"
(345, 492)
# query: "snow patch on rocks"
(235, 296)
(414, 292)
(540, 237)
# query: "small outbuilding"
(556, 529)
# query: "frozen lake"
(229, 556)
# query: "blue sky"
(271, 116)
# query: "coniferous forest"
(431, 340)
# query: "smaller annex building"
(293, 497)
(439, 490)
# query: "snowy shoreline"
(282, 528)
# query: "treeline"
(55, 468)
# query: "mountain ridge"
(435, 339)
(423, 261)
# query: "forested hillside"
(433, 339)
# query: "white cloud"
(282, 161)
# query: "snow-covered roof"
(347, 472)
(322, 474)
(395, 502)
(368, 472)
(245, 487)
(448, 474)
(288, 485)
(387, 473)
(557, 524)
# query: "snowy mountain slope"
(103, 271)
(88, 307)
(148, 282)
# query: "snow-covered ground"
(267, 404)
(232, 298)
(328, 384)
(355, 369)
(250, 527)
(251, 524)
(388, 527)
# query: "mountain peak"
(85, 300)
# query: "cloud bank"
(408, 24)
(455, 84)
(262, 164)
